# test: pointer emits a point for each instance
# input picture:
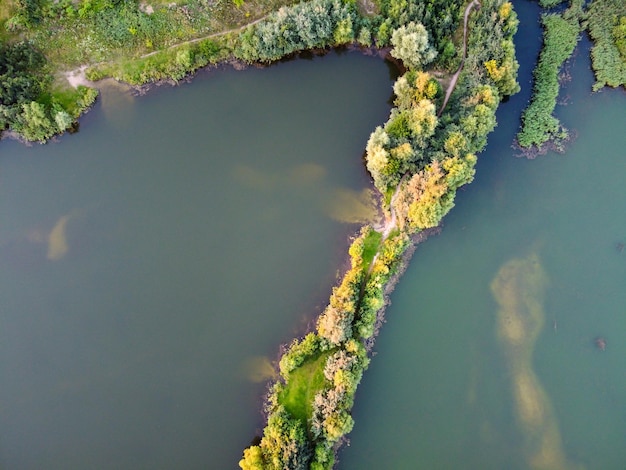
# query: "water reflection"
(306, 174)
(519, 289)
(118, 102)
(350, 206)
(33, 245)
(341, 204)
(258, 369)
(57, 239)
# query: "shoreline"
(78, 77)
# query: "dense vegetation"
(418, 158)
(422, 159)
(29, 104)
(607, 27)
(606, 22)
(561, 33)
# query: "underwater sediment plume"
(519, 289)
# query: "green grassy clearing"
(371, 245)
(304, 382)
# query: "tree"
(343, 32)
(411, 46)
(335, 325)
(20, 73)
(425, 199)
(252, 459)
(459, 171)
(422, 122)
(63, 120)
(378, 157)
(284, 445)
(34, 123)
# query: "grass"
(371, 245)
(303, 384)
(69, 40)
(67, 97)
(6, 11)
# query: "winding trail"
(209, 36)
(455, 77)
(78, 77)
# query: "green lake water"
(151, 265)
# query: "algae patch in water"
(519, 289)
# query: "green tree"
(34, 123)
(377, 157)
(252, 459)
(411, 46)
(343, 32)
(422, 122)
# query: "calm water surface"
(152, 264)
(438, 393)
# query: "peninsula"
(457, 63)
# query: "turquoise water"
(438, 392)
(152, 264)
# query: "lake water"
(152, 264)
(438, 393)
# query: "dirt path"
(213, 35)
(77, 76)
(455, 77)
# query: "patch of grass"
(174, 63)
(6, 9)
(371, 245)
(388, 195)
(303, 384)
(67, 97)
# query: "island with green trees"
(457, 63)
(606, 22)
